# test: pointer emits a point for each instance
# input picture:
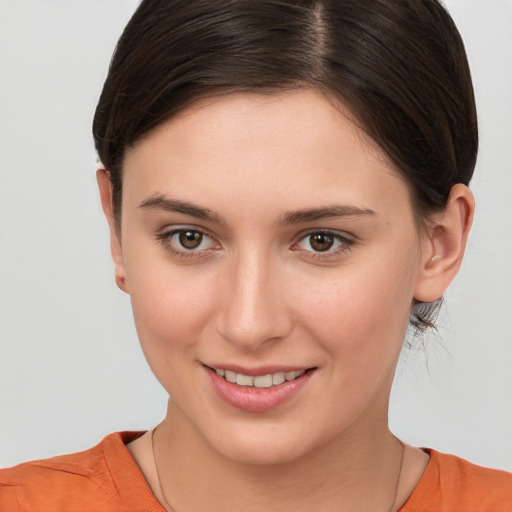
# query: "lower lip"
(253, 399)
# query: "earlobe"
(105, 188)
(444, 245)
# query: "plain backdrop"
(71, 369)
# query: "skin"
(257, 293)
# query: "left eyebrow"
(335, 210)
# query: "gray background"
(71, 370)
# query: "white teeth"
(293, 375)
(260, 381)
(263, 381)
(278, 378)
(230, 376)
(244, 380)
(289, 375)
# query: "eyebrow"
(335, 210)
(160, 202)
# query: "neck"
(357, 471)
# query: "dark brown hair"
(398, 65)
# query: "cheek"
(363, 310)
(171, 308)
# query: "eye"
(188, 239)
(325, 242)
(187, 242)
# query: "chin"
(265, 443)
(262, 451)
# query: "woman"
(286, 189)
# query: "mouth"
(259, 381)
(267, 380)
(262, 391)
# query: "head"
(398, 66)
(252, 106)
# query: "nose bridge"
(254, 308)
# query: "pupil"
(190, 239)
(322, 242)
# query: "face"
(265, 239)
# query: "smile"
(264, 390)
(259, 381)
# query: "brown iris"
(190, 239)
(321, 242)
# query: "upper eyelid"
(168, 230)
(181, 227)
(335, 232)
(165, 236)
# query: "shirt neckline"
(131, 483)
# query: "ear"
(444, 244)
(105, 186)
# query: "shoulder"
(102, 478)
(452, 484)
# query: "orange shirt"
(107, 479)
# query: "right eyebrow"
(160, 202)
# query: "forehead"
(235, 115)
(297, 146)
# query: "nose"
(254, 308)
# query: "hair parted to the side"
(398, 65)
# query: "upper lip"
(258, 370)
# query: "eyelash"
(345, 244)
(165, 239)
